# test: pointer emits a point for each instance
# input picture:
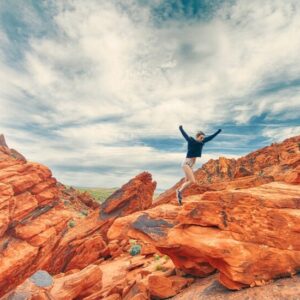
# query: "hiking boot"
(179, 197)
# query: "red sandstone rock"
(251, 236)
(35, 218)
(278, 162)
(154, 222)
(238, 221)
(79, 200)
(245, 226)
(133, 196)
(75, 285)
(210, 289)
(11, 152)
(162, 287)
(44, 225)
(88, 200)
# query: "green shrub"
(159, 267)
(84, 212)
(71, 223)
(156, 257)
(135, 250)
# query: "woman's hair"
(199, 133)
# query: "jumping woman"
(194, 150)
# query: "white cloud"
(109, 62)
(279, 134)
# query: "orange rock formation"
(245, 227)
(71, 285)
(44, 225)
(239, 225)
(278, 162)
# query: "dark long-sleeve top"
(194, 147)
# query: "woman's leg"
(189, 176)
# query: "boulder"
(133, 196)
(250, 236)
(74, 285)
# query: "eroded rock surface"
(46, 226)
(278, 162)
(72, 285)
(135, 195)
(210, 289)
(238, 228)
(250, 235)
(40, 228)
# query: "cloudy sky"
(96, 89)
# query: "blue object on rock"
(135, 250)
(41, 278)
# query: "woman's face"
(200, 138)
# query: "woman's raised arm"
(185, 135)
(210, 137)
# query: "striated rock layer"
(210, 289)
(278, 162)
(44, 225)
(241, 222)
(133, 196)
(250, 235)
(73, 285)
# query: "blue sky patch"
(96, 90)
